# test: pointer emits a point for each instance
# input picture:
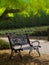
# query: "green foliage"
(26, 5)
(19, 21)
(4, 44)
(33, 13)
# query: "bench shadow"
(26, 60)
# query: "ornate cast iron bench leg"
(37, 49)
(12, 53)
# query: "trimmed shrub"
(4, 44)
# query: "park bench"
(21, 42)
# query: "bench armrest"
(34, 42)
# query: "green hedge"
(4, 44)
(20, 21)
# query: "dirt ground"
(27, 59)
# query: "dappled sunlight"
(47, 11)
(10, 15)
(2, 10)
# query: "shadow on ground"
(27, 60)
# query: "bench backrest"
(18, 39)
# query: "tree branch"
(4, 15)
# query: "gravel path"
(44, 46)
(43, 43)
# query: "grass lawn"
(4, 58)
